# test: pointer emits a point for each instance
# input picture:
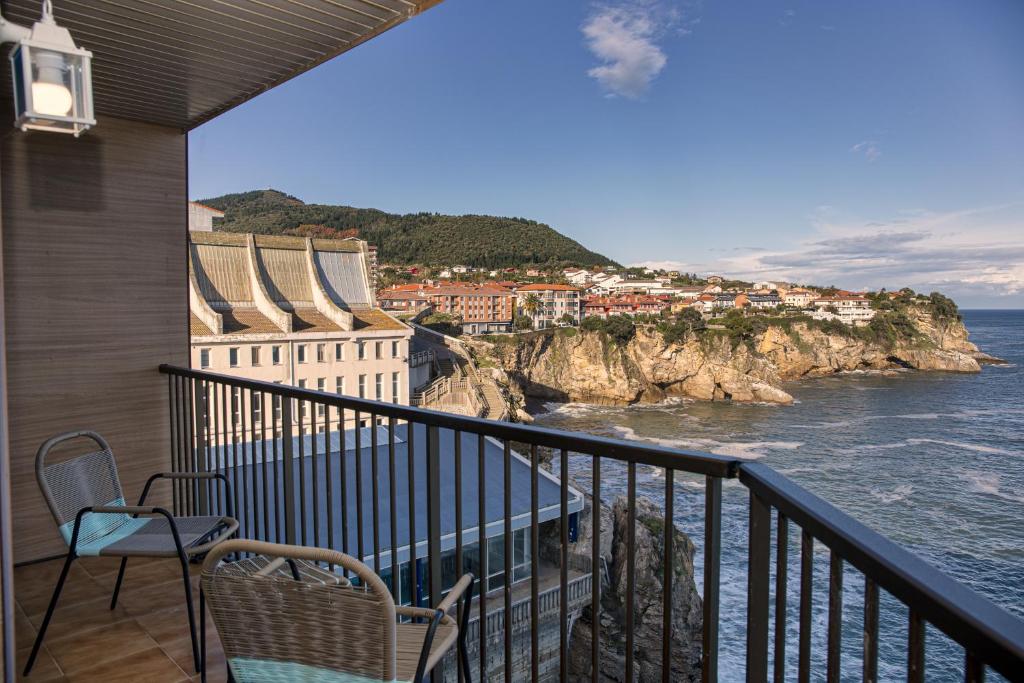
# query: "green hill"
(421, 238)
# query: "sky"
(863, 144)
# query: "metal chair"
(309, 624)
(85, 497)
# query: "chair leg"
(202, 635)
(49, 612)
(117, 584)
(191, 612)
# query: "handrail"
(640, 453)
(981, 626)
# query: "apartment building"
(852, 310)
(482, 308)
(294, 311)
(546, 304)
(627, 304)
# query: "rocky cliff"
(647, 604)
(590, 367)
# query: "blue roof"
(343, 462)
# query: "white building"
(799, 298)
(553, 302)
(851, 310)
(200, 216)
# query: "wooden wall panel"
(95, 287)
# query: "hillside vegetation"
(417, 238)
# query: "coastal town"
(489, 301)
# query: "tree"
(523, 322)
(531, 304)
(567, 319)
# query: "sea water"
(935, 461)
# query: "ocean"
(933, 460)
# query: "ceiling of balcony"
(183, 62)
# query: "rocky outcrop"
(647, 605)
(575, 365)
(588, 367)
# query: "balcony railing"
(434, 484)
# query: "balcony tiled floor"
(144, 639)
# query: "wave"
(987, 483)
(977, 448)
(747, 450)
(901, 492)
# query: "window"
(378, 350)
(257, 407)
(378, 382)
(275, 355)
(395, 393)
(361, 348)
(362, 386)
(321, 353)
(395, 348)
(339, 385)
(233, 357)
(204, 358)
(321, 385)
(302, 404)
(339, 351)
(236, 403)
(277, 406)
(301, 351)
(255, 351)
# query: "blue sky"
(865, 144)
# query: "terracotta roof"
(545, 287)
(208, 208)
(247, 321)
(373, 319)
(197, 328)
(312, 320)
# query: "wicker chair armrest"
(419, 613)
(456, 592)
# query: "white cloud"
(868, 148)
(624, 37)
(976, 254)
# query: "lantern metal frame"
(47, 38)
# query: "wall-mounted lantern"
(51, 76)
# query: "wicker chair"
(276, 625)
(85, 497)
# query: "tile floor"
(144, 639)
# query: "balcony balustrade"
(413, 493)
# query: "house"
(705, 303)
(626, 304)
(715, 279)
(725, 300)
(578, 277)
(712, 289)
(762, 299)
(765, 285)
(547, 305)
(850, 309)
(403, 301)
(799, 297)
(296, 311)
(460, 269)
(689, 291)
(200, 216)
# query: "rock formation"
(576, 365)
(647, 605)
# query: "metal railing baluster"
(534, 565)
(758, 573)
(459, 566)
(393, 506)
(414, 591)
(668, 574)
(563, 574)
(835, 618)
(507, 584)
(360, 546)
(375, 484)
(595, 577)
(482, 536)
(781, 576)
(870, 631)
(712, 576)
(915, 648)
(806, 604)
(630, 565)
